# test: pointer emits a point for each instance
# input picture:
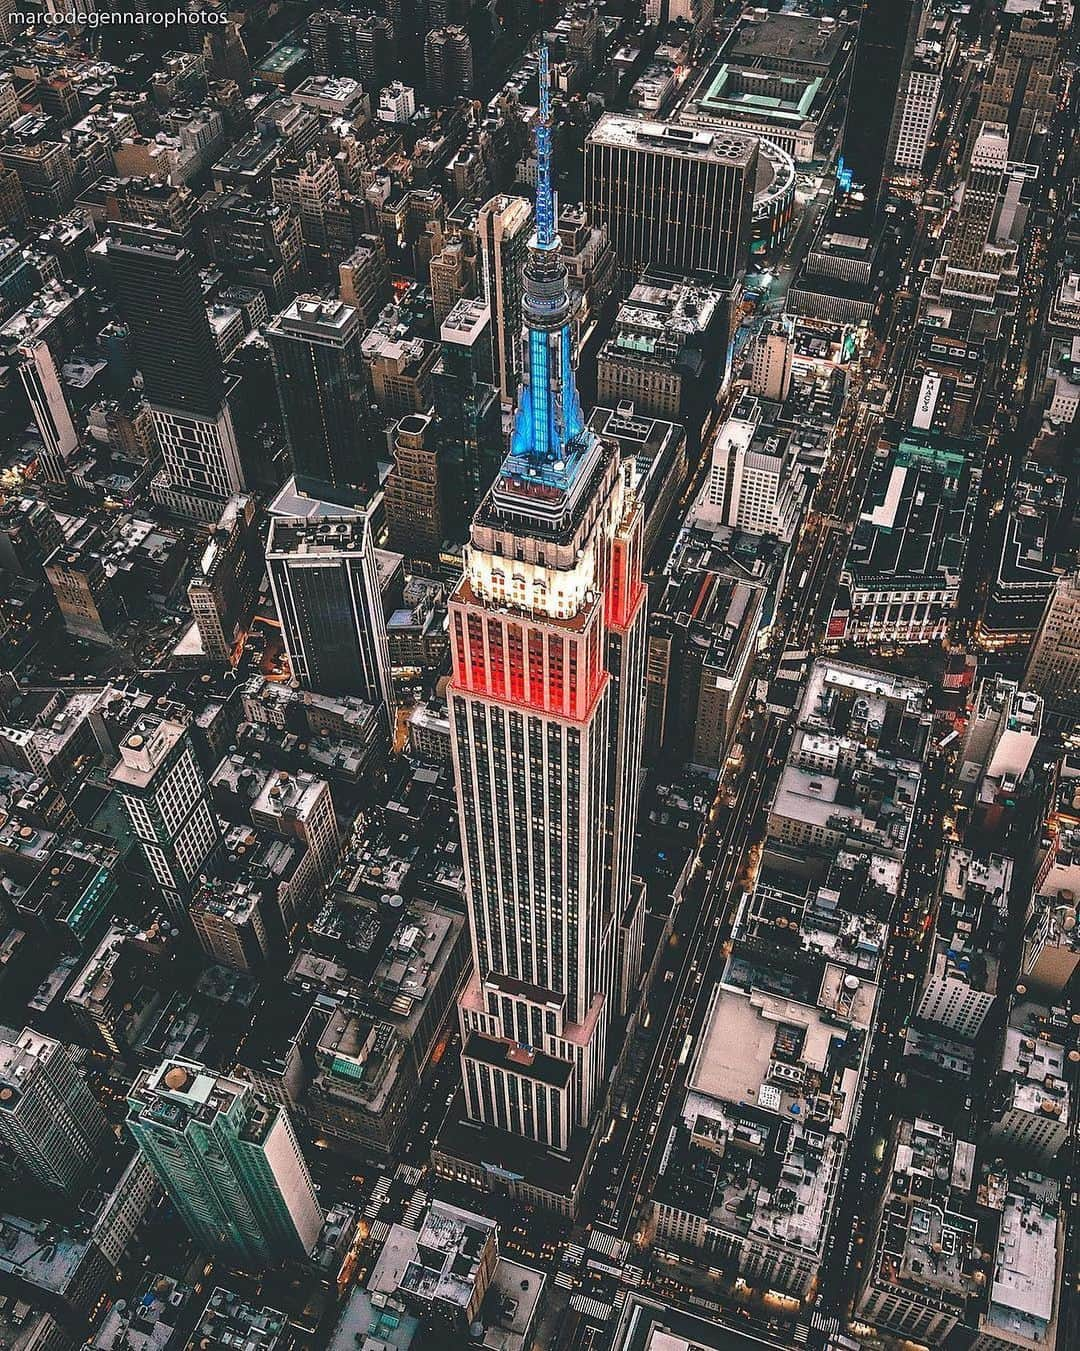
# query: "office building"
(503, 227)
(853, 725)
(167, 801)
(547, 638)
(41, 381)
(673, 197)
(962, 1247)
(1035, 552)
(159, 292)
(121, 988)
(710, 605)
(668, 349)
(771, 359)
(222, 590)
(942, 380)
(467, 404)
(746, 1180)
(901, 578)
(229, 1161)
(1053, 665)
(416, 491)
(325, 583)
(448, 65)
(780, 76)
(1023, 76)
(887, 32)
(322, 390)
(960, 987)
(755, 482)
(925, 80)
(658, 449)
(364, 278)
(50, 1122)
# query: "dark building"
(942, 381)
(352, 44)
(887, 30)
(448, 65)
(324, 577)
(673, 197)
(322, 391)
(159, 291)
(258, 243)
(467, 405)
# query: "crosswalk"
(801, 1334)
(415, 1208)
(410, 1174)
(564, 1280)
(595, 1309)
(379, 1193)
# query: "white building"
(755, 481)
(52, 416)
(961, 984)
(1032, 1114)
(301, 805)
(165, 794)
(771, 361)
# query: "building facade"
(547, 634)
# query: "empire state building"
(546, 707)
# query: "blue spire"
(548, 426)
(545, 193)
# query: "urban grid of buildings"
(540, 677)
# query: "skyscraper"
(59, 438)
(673, 197)
(547, 637)
(448, 65)
(157, 284)
(1053, 667)
(322, 390)
(49, 1119)
(229, 1161)
(887, 31)
(326, 590)
(168, 804)
(503, 227)
(467, 403)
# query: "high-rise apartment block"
(50, 1121)
(166, 798)
(448, 65)
(673, 197)
(229, 1161)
